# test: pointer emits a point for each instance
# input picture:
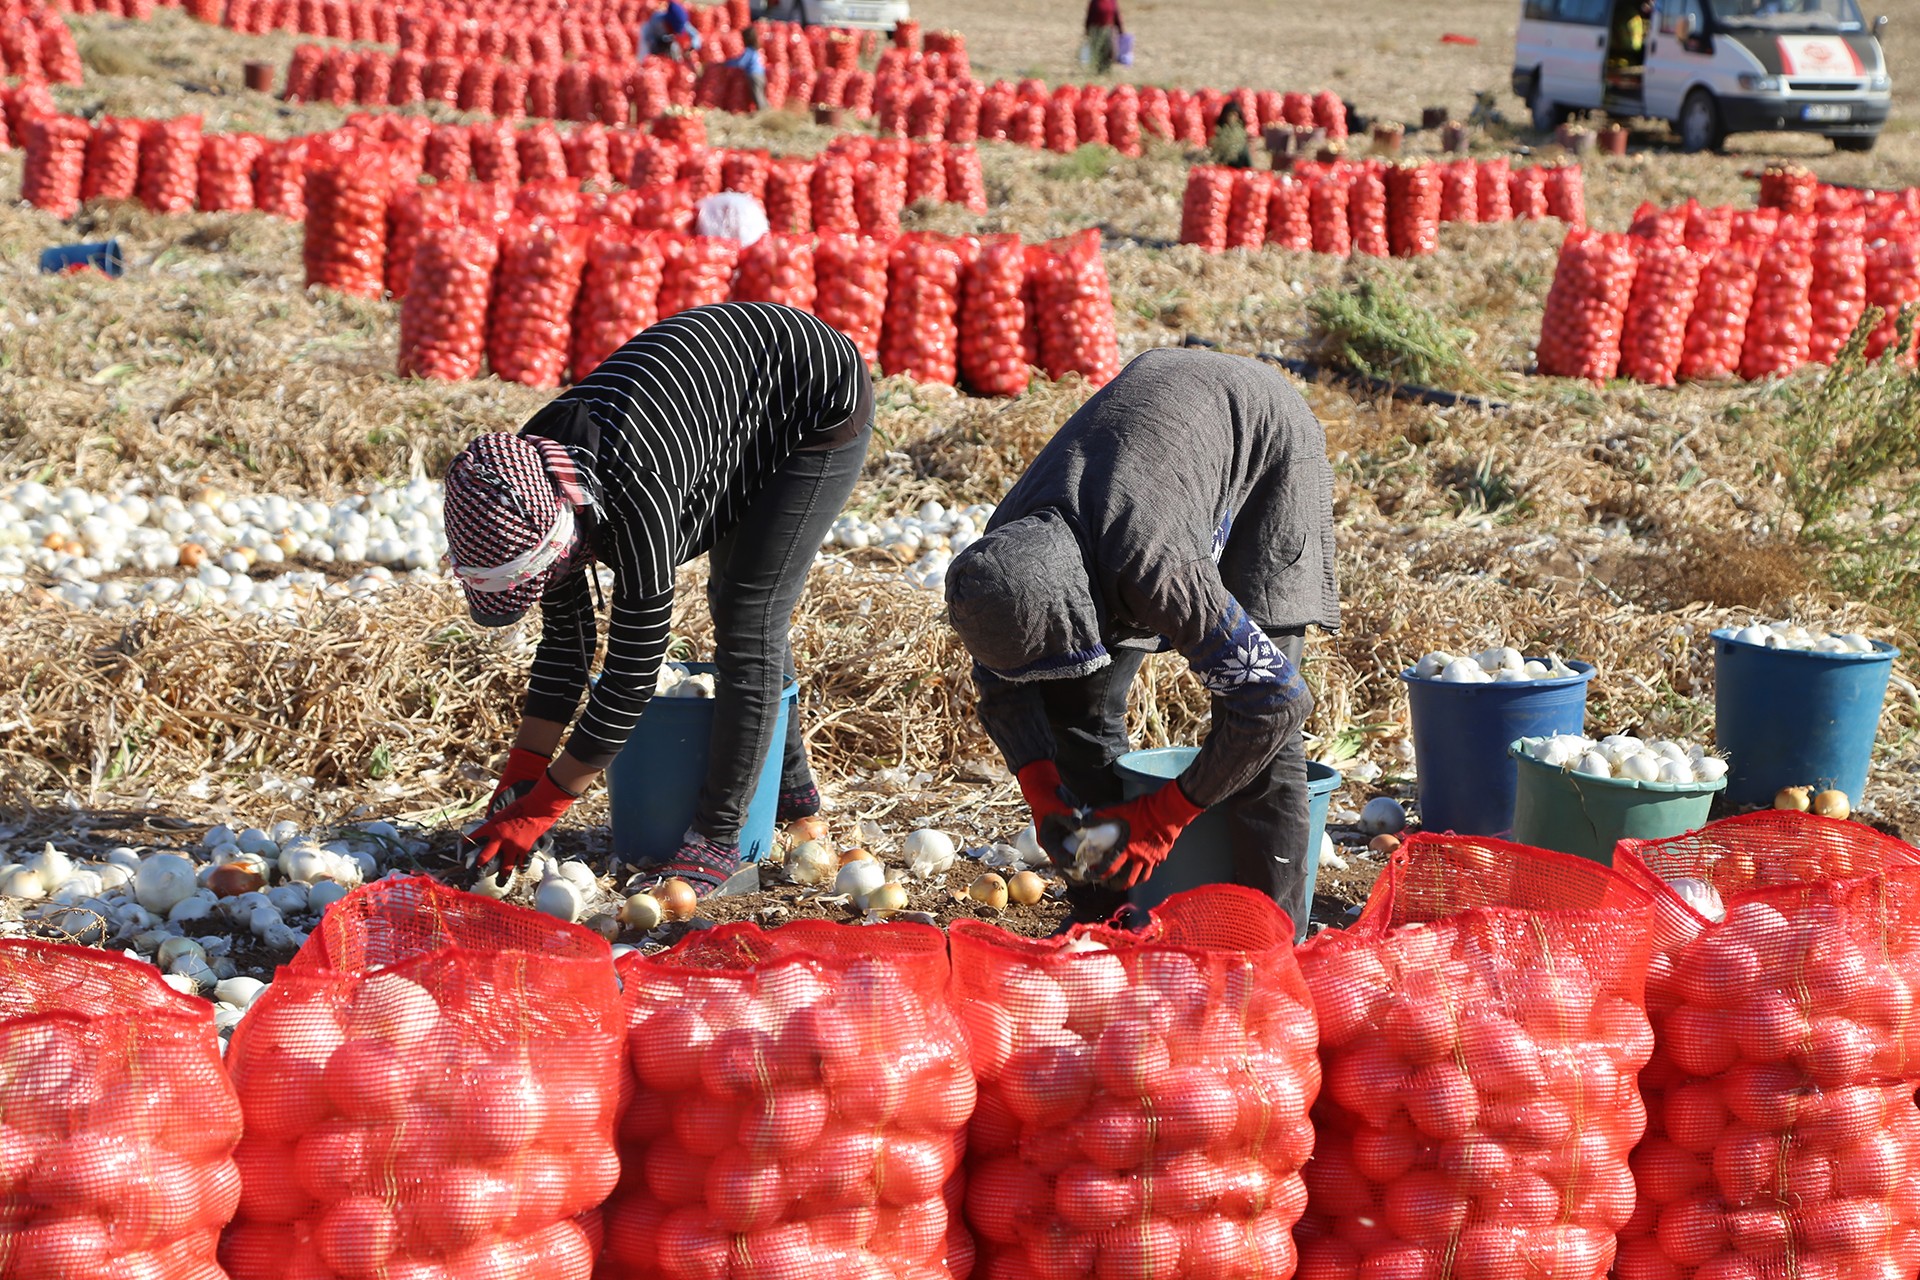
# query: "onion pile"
(120, 1125)
(1481, 1027)
(436, 1099)
(1780, 1093)
(799, 1107)
(1791, 635)
(1143, 1097)
(1627, 757)
(1503, 664)
(926, 541)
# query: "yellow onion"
(989, 890)
(1026, 888)
(1833, 803)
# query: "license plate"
(1826, 111)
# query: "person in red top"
(1104, 30)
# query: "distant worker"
(1230, 144)
(753, 66)
(1187, 506)
(1630, 33)
(804, 13)
(669, 33)
(1104, 30)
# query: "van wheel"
(1856, 142)
(1700, 123)
(1547, 115)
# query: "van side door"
(1675, 65)
(1575, 76)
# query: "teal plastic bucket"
(1460, 736)
(1575, 813)
(1789, 718)
(654, 783)
(1203, 854)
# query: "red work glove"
(524, 768)
(1149, 827)
(1056, 813)
(510, 834)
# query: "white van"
(876, 15)
(1709, 67)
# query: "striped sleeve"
(565, 655)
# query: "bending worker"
(1187, 505)
(736, 430)
(666, 32)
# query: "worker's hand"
(509, 835)
(1149, 826)
(524, 768)
(1056, 813)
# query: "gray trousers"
(1267, 817)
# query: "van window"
(1841, 15)
(1540, 10)
(1592, 13)
(1671, 11)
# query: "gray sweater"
(1187, 505)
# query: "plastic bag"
(530, 334)
(1143, 1096)
(699, 271)
(120, 1123)
(619, 297)
(431, 1084)
(1481, 1027)
(800, 1101)
(1204, 209)
(1666, 281)
(443, 323)
(345, 246)
(850, 275)
(1586, 307)
(1074, 310)
(1717, 329)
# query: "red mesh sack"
(510, 93)
(778, 267)
(1586, 307)
(1893, 284)
(1190, 120)
(682, 128)
(927, 113)
(619, 297)
(409, 212)
(1481, 1027)
(963, 114)
(1330, 114)
(113, 160)
(1662, 226)
(120, 1122)
(1061, 129)
(610, 103)
(59, 53)
(1790, 188)
(373, 78)
(543, 99)
(1289, 217)
(1143, 1096)
(551, 200)
(1782, 1136)
(405, 81)
(1367, 213)
(700, 170)
(1754, 224)
(1708, 229)
(1090, 115)
(585, 150)
(1156, 116)
(789, 196)
(698, 272)
(666, 207)
(574, 91)
(926, 174)
(745, 172)
(449, 157)
(477, 83)
(1567, 194)
(540, 154)
(529, 336)
(1413, 209)
(997, 107)
(1327, 207)
(439, 81)
(800, 1101)
(169, 164)
(346, 233)
(966, 182)
(1527, 192)
(1780, 326)
(280, 179)
(1838, 292)
(879, 196)
(226, 171)
(1459, 191)
(1717, 329)
(1493, 182)
(1123, 120)
(1247, 209)
(443, 323)
(920, 336)
(654, 163)
(1666, 281)
(850, 277)
(992, 316)
(1074, 310)
(303, 72)
(430, 1086)
(496, 156)
(1206, 206)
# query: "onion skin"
(677, 899)
(1833, 804)
(1794, 799)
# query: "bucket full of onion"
(1465, 711)
(1579, 796)
(1797, 708)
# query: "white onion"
(929, 852)
(811, 863)
(163, 880)
(1593, 764)
(1383, 815)
(859, 878)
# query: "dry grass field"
(1616, 524)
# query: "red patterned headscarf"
(510, 522)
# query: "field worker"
(753, 66)
(1187, 505)
(666, 32)
(1104, 30)
(736, 430)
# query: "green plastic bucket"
(1559, 809)
(1203, 853)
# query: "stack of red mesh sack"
(799, 1107)
(1782, 1135)
(1143, 1096)
(1481, 1027)
(430, 1087)
(117, 1124)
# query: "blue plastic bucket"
(105, 255)
(654, 783)
(1466, 778)
(1204, 854)
(1788, 717)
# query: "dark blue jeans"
(755, 574)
